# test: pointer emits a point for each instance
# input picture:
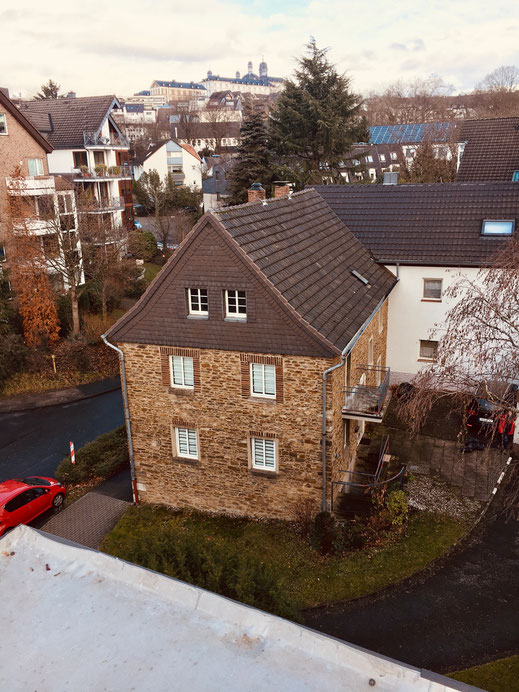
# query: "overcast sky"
(120, 46)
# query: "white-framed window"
(236, 304)
(263, 380)
(432, 289)
(181, 372)
(370, 351)
(3, 124)
(428, 349)
(264, 453)
(3, 255)
(382, 158)
(369, 159)
(197, 301)
(35, 167)
(394, 156)
(498, 227)
(186, 441)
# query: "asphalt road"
(463, 614)
(34, 442)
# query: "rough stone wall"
(15, 148)
(222, 480)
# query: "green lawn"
(498, 676)
(308, 578)
(150, 271)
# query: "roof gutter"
(344, 354)
(126, 417)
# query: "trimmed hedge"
(101, 458)
(195, 558)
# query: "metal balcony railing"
(96, 139)
(366, 399)
(99, 205)
(101, 171)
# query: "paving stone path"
(88, 520)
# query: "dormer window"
(197, 302)
(498, 227)
(235, 305)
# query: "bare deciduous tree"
(504, 78)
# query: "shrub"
(101, 458)
(72, 354)
(219, 567)
(142, 244)
(397, 507)
(135, 288)
(352, 537)
(64, 315)
(13, 354)
(304, 515)
(324, 533)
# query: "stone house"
(254, 359)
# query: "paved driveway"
(465, 613)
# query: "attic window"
(497, 227)
(360, 277)
(515, 177)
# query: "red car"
(24, 499)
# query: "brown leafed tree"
(478, 344)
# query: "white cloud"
(120, 47)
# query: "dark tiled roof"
(294, 254)
(308, 255)
(433, 224)
(35, 132)
(68, 118)
(491, 150)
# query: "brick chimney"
(281, 188)
(256, 192)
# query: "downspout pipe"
(126, 417)
(345, 352)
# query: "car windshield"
(33, 480)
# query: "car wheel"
(57, 502)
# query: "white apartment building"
(170, 158)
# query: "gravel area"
(431, 494)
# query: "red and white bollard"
(72, 453)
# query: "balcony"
(98, 206)
(101, 172)
(31, 186)
(368, 399)
(97, 140)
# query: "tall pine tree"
(253, 163)
(317, 119)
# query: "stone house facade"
(226, 355)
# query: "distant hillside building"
(250, 83)
(176, 91)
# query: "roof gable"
(28, 125)
(209, 258)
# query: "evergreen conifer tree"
(253, 163)
(317, 119)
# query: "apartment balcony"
(96, 206)
(177, 178)
(101, 172)
(367, 400)
(95, 140)
(31, 186)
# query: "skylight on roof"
(515, 177)
(497, 227)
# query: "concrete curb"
(19, 404)
(430, 568)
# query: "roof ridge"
(268, 200)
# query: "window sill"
(254, 399)
(263, 472)
(431, 300)
(427, 360)
(197, 317)
(183, 391)
(186, 461)
(235, 319)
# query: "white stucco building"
(170, 158)
(427, 235)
